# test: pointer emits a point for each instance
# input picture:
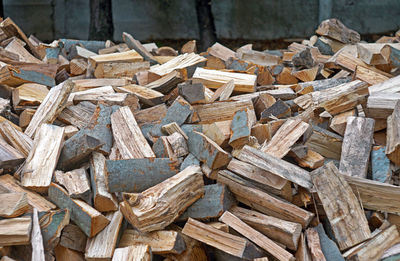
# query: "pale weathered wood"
(335, 29)
(9, 156)
(356, 146)
(381, 104)
(314, 245)
(369, 76)
(101, 246)
(42, 159)
(19, 140)
(29, 94)
(173, 127)
(393, 135)
(119, 69)
(36, 238)
(84, 84)
(338, 122)
(255, 236)
(326, 143)
(13, 204)
(178, 144)
(168, 199)
(15, 231)
(179, 62)
(166, 83)
(312, 160)
(348, 221)
(146, 95)
(138, 252)
(138, 47)
(224, 92)
(78, 115)
(302, 253)
(75, 182)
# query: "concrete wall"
(176, 19)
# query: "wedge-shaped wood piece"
(302, 253)
(348, 221)
(179, 62)
(219, 131)
(139, 48)
(129, 138)
(84, 84)
(13, 204)
(248, 194)
(314, 245)
(277, 110)
(335, 29)
(380, 105)
(146, 95)
(173, 127)
(89, 220)
(19, 140)
(178, 145)
(161, 242)
(380, 165)
(369, 76)
(231, 244)
(8, 184)
(29, 94)
(65, 254)
(356, 147)
(101, 246)
(217, 199)
(120, 99)
(168, 82)
(312, 160)
(128, 56)
(193, 93)
(215, 79)
(103, 200)
(389, 86)
(393, 135)
(207, 151)
(51, 107)
(168, 200)
(281, 231)
(36, 238)
(132, 253)
(338, 122)
(152, 115)
(224, 92)
(75, 182)
(221, 52)
(276, 166)
(73, 238)
(240, 129)
(372, 53)
(374, 248)
(78, 115)
(9, 156)
(255, 236)
(92, 94)
(51, 225)
(119, 69)
(262, 179)
(285, 138)
(42, 159)
(137, 175)
(325, 142)
(15, 231)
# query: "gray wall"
(176, 19)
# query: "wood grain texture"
(15, 231)
(314, 245)
(51, 225)
(19, 140)
(75, 182)
(13, 204)
(393, 135)
(36, 240)
(138, 252)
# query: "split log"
(14, 204)
(128, 56)
(369, 76)
(221, 52)
(380, 105)
(103, 200)
(84, 84)
(173, 127)
(15, 231)
(192, 92)
(240, 129)
(348, 222)
(146, 95)
(168, 82)
(219, 132)
(186, 61)
(16, 138)
(75, 182)
(51, 225)
(169, 199)
(302, 253)
(78, 115)
(277, 110)
(371, 53)
(66, 254)
(162, 148)
(42, 159)
(119, 69)
(139, 48)
(36, 238)
(312, 160)
(338, 122)
(393, 135)
(380, 165)
(314, 245)
(29, 94)
(335, 29)
(189, 47)
(326, 143)
(152, 115)
(329, 247)
(131, 253)
(120, 99)
(224, 92)
(9, 156)
(178, 144)
(78, 66)
(24, 118)
(73, 238)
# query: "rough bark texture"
(101, 22)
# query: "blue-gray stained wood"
(323, 48)
(188, 128)
(78, 151)
(177, 112)
(217, 198)
(98, 127)
(188, 161)
(240, 131)
(394, 57)
(328, 246)
(33, 76)
(380, 164)
(278, 110)
(137, 175)
(238, 65)
(138, 47)
(51, 225)
(93, 46)
(52, 53)
(192, 93)
(159, 148)
(79, 216)
(207, 151)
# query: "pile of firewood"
(132, 152)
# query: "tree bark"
(205, 20)
(101, 22)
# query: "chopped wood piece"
(146, 95)
(121, 99)
(369, 76)
(263, 202)
(380, 165)
(73, 238)
(381, 104)
(234, 245)
(161, 242)
(178, 144)
(348, 221)
(307, 75)
(281, 231)
(120, 69)
(372, 53)
(263, 102)
(103, 200)
(356, 146)
(51, 225)
(329, 247)
(36, 239)
(393, 135)
(129, 138)
(189, 47)
(312, 160)
(168, 200)
(78, 66)
(29, 94)
(187, 60)
(335, 29)
(166, 83)
(220, 51)
(78, 115)
(50, 108)
(339, 121)
(326, 143)
(173, 127)
(9, 157)
(240, 129)
(42, 159)
(15, 231)
(137, 175)
(255, 236)
(132, 253)
(214, 79)
(207, 151)
(75, 182)
(302, 253)
(138, 47)
(86, 217)
(224, 92)
(103, 244)
(193, 93)
(152, 115)
(120, 57)
(13, 204)
(66, 254)
(16, 138)
(277, 110)
(314, 245)
(24, 118)
(85, 84)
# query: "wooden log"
(187, 61)
(78, 115)
(101, 246)
(219, 132)
(138, 47)
(214, 79)
(338, 122)
(162, 148)
(262, 102)
(372, 53)
(84, 84)
(25, 117)
(146, 95)
(36, 238)
(120, 69)
(380, 165)
(374, 248)
(389, 86)
(16, 138)
(50, 108)
(15, 231)
(277, 110)
(128, 56)
(207, 151)
(152, 115)
(161, 242)
(255, 236)
(369, 76)
(281, 231)
(302, 253)
(131, 253)
(335, 29)
(14, 204)
(65, 254)
(314, 245)
(9, 156)
(393, 136)
(86, 217)
(169, 199)
(120, 99)
(75, 182)
(103, 200)
(263, 202)
(168, 82)
(326, 143)
(29, 94)
(220, 51)
(42, 159)
(73, 238)
(51, 225)
(240, 129)
(193, 93)
(8, 184)
(312, 160)
(78, 66)
(329, 247)
(259, 58)
(380, 105)
(262, 179)
(137, 175)
(307, 75)
(78, 152)
(356, 146)
(332, 190)
(224, 92)
(276, 166)
(189, 47)
(178, 144)
(129, 139)
(217, 199)
(173, 127)
(231, 244)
